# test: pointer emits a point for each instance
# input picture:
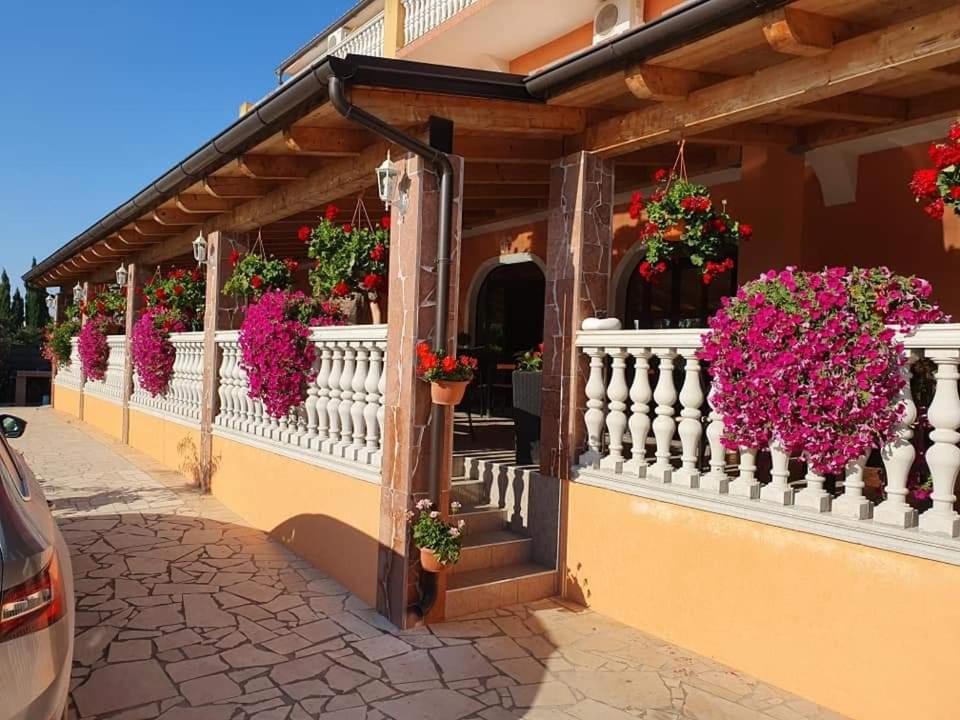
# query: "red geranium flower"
(347, 228)
(234, 257)
(340, 289)
(924, 183)
(423, 348)
(161, 294)
(935, 209)
(256, 282)
(449, 364)
(195, 275)
(178, 290)
(372, 281)
(303, 234)
(291, 264)
(660, 175)
(331, 212)
(955, 192)
(746, 231)
(378, 253)
(427, 362)
(385, 222)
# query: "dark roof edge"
(679, 26)
(292, 100)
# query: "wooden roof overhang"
(808, 74)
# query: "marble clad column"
(579, 240)
(136, 279)
(406, 434)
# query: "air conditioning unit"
(614, 17)
(337, 37)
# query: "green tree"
(6, 304)
(16, 311)
(37, 315)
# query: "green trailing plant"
(255, 274)
(57, 337)
(431, 532)
(348, 258)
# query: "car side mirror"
(12, 426)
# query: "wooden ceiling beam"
(482, 172)
(175, 217)
(410, 108)
(922, 43)
(748, 134)
(131, 237)
(857, 107)
(478, 148)
(485, 191)
(277, 167)
(328, 142)
(202, 204)
(229, 187)
(657, 82)
(794, 32)
(151, 228)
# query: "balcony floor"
(185, 612)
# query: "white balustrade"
(111, 387)
(365, 40)
(342, 416)
(624, 405)
(422, 16)
(184, 394)
(68, 375)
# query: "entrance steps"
(496, 565)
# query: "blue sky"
(101, 97)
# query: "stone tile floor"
(185, 613)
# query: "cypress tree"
(16, 311)
(6, 309)
(37, 315)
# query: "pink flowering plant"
(431, 532)
(275, 347)
(810, 360)
(152, 352)
(93, 349)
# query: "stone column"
(579, 238)
(407, 453)
(136, 278)
(218, 270)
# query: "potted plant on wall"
(938, 188)
(448, 375)
(439, 541)
(527, 382)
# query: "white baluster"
(943, 457)
(323, 396)
(617, 394)
(778, 490)
(346, 399)
(310, 405)
(716, 480)
(593, 417)
(852, 503)
(359, 401)
(689, 428)
(333, 415)
(377, 458)
(745, 485)
(371, 386)
(665, 395)
(223, 389)
(640, 396)
(898, 456)
(813, 496)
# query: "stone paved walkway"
(185, 613)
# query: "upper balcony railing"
(366, 40)
(422, 16)
(644, 383)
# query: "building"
(807, 117)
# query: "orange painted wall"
(557, 48)
(840, 624)
(104, 415)
(66, 400)
(161, 439)
(330, 519)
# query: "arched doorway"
(509, 310)
(677, 299)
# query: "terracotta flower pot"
(448, 392)
(429, 562)
(675, 233)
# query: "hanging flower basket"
(680, 220)
(351, 258)
(255, 273)
(938, 188)
(448, 375)
(152, 352)
(181, 292)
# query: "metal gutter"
(682, 25)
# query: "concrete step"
(493, 548)
(467, 491)
(482, 518)
(488, 588)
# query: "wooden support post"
(218, 258)
(407, 452)
(394, 37)
(135, 279)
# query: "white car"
(36, 594)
